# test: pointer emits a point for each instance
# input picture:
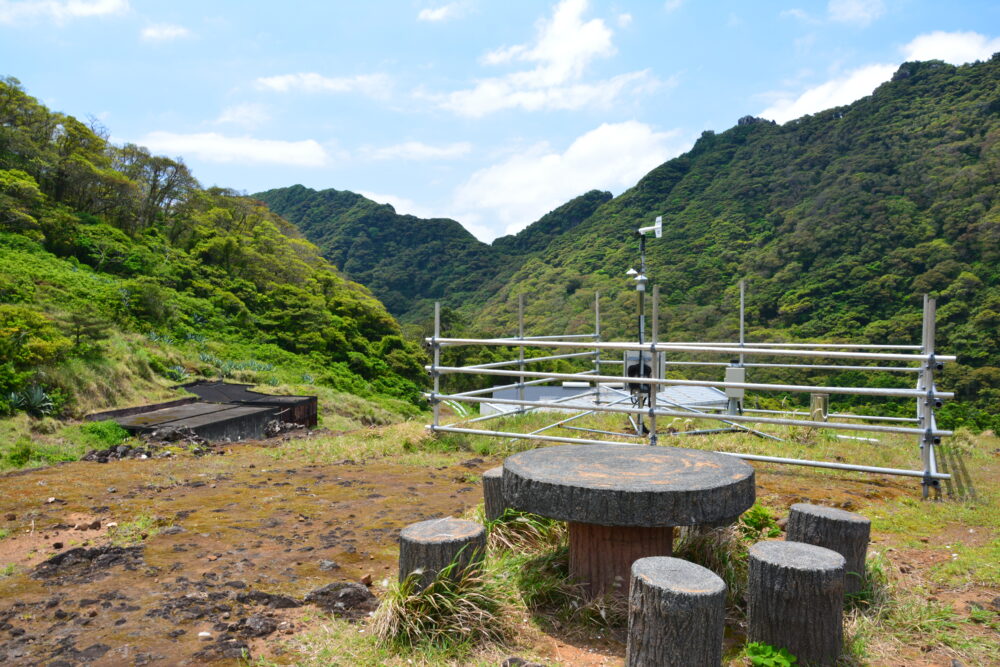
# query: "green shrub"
(102, 434)
(19, 455)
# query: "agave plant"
(34, 400)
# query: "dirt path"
(229, 527)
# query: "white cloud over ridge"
(834, 93)
(60, 11)
(417, 150)
(163, 32)
(402, 205)
(525, 186)
(956, 48)
(213, 147)
(564, 46)
(373, 85)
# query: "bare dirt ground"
(228, 547)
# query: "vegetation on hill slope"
(118, 271)
(838, 221)
(409, 262)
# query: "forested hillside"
(838, 221)
(118, 271)
(409, 262)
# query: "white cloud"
(164, 32)
(624, 20)
(374, 85)
(859, 12)
(402, 205)
(213, 147)
(564, 46)
(956, 48)
(417, 150)
(836, 92)
(953, 47)
(525, 186)
(247, 115)
(59, 11)
(442, 13)
(673, 5)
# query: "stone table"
(623, 501)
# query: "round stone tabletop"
(628, 485)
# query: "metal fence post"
(597, 339)
(435, 363)
(520, 351)
(927, 403)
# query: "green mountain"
(409, 262)
(838, 221)
(120, 275)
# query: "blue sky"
(489, 112)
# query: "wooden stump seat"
(795, 600)
(676, 615)
(493, 493)
(845, 532)
(430, 546)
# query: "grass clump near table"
(452, 613)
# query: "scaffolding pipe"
(531, 360)
(542, 338)
(676, 347)
(496, 415)
(724, 418)
(822, 367)
(748, 457)
(858, 391)
(838, 415)
(849, 346)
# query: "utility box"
(735, 374)
(632, 369)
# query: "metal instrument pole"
(654, 366)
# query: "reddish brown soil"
(246, 522)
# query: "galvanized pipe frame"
(530, 360)
(795, 388)
(929, 433)
(675, 347)
(747, 457)
(819, 367)
(873, 428)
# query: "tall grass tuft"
(722, 550)
(524, 533)
(454, 613)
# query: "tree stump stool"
(844, 532)
(795, 599)
(676, 615)
(623, 501)
(493, 493)
(430, 546)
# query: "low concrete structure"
(225, 412)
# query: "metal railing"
(920, 359)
